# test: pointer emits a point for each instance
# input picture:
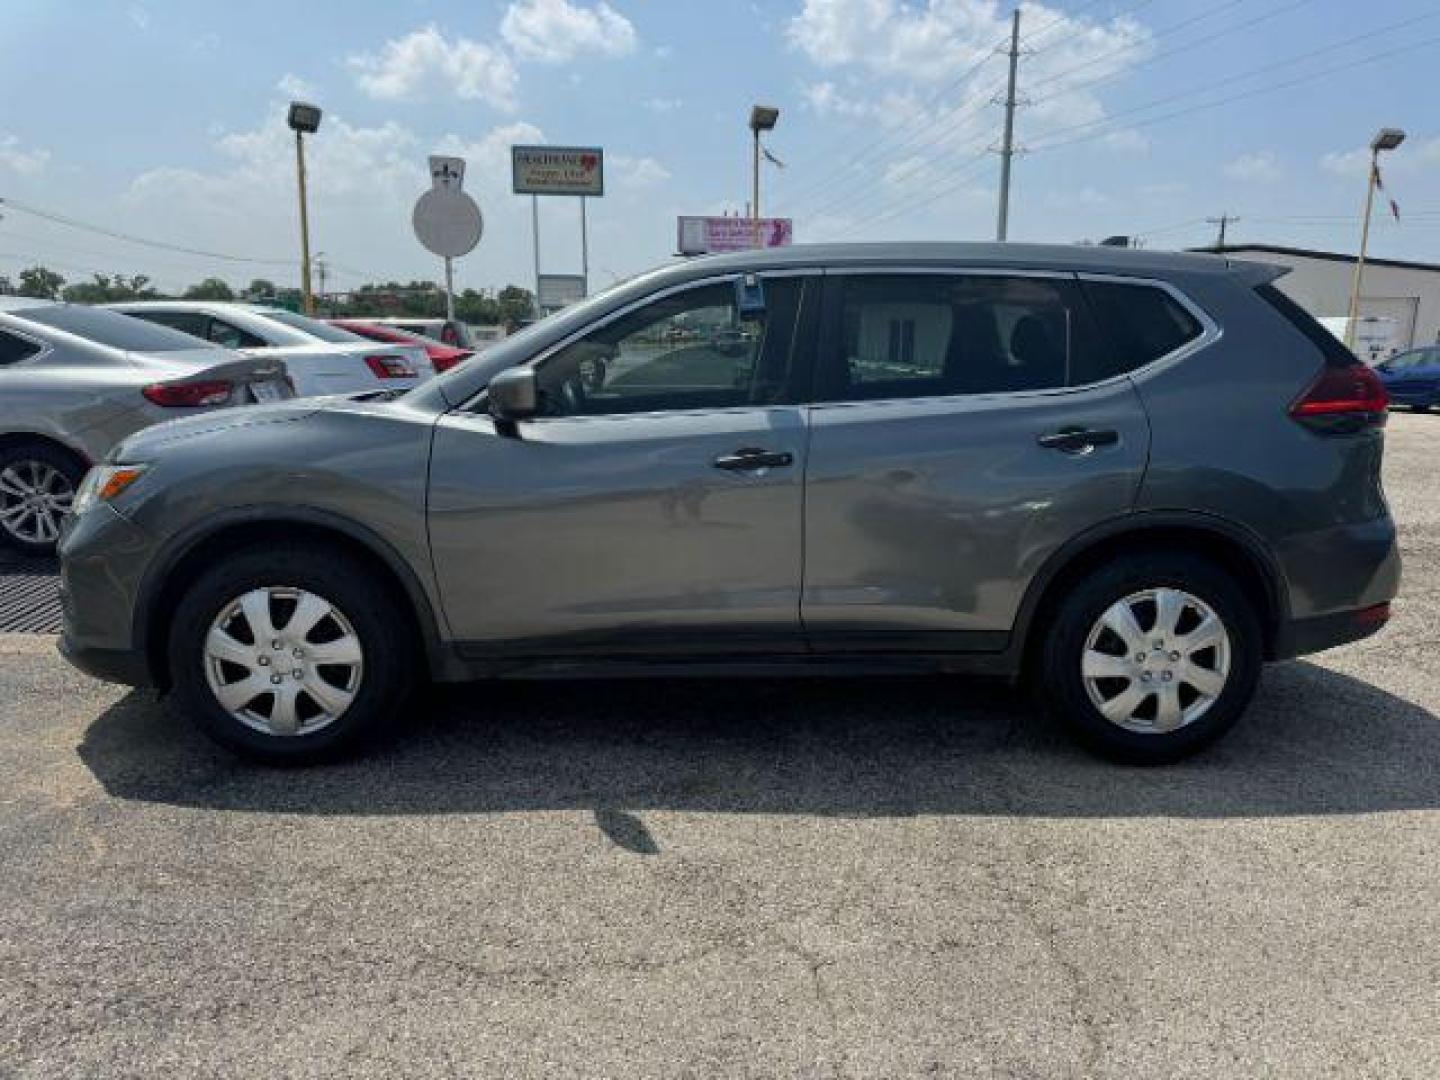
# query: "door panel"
(928, 510)
(655, 505)
(618, 533)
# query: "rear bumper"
(1341, 581)
(1304, 636)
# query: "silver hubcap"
(1156, 660)
(283, 661)
(34, 499)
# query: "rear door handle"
(1075, 440)
(751, 458)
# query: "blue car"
(1413, 378)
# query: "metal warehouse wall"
(1322, 286)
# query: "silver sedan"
(75, 380)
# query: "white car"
(321, 359)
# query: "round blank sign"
(447, 222)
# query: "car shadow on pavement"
(1315, 742)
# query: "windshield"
(113, 329)
(313, 327)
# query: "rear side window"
(1141, 323)
(111, 328)
(187, 322)
(936, 335)
(1331, 347)
(14, 349)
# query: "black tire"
(20, 457)
(391, 655)
(1061, 684)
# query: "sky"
(164, 120)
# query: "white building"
(1403, 295)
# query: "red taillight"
(390, 367)
(448, 360)
(1343, 399)
(190, 395)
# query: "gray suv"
(1128, 477)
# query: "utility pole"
(1223, 221)
(1007, 147)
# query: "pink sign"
(707, 235)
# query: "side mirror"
(514, 395)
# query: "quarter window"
(691, 350)
(1140, 323)
(14, 349)
(933, 335)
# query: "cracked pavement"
(853, 878)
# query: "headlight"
(103, 483)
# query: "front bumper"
(102, 561)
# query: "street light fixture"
(1385, 139)
(304, 119)
(762, 118)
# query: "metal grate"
(29, 595)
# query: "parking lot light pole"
(762, 118)
(1385, 139)
(304, 119)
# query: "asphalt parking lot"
(877, 878)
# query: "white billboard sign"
(558, 170)
(707, 235)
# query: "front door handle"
(752, 458)
(1076, 440)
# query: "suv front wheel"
(290, 654)
(1152, 657)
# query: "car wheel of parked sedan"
(37, 487)
(290, 654)
(1151, 658)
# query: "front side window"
(934, 335)
(689, 350)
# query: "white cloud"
(892, 55)
(637, 173)
(554, 31)
(1259, 168)
(1410, 156)
(293, 86)
(425, 63)
(18, 160)
(139, 15)
(663, 105)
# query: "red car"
(442, 357)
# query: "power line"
(1029, 42)
(61, 219)
(1101, 80)
(867, 152)
(1041, 145)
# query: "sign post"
(558, 170)
(446, 220)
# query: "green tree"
(517, 305)
(212, 288)
(41, 283)
(107, 288)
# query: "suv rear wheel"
(37, 487)
(290, 655)
(1152, 657)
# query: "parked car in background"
(442, 357)
(447, 331)
(1126, 477)
(75, 380)
(1413, 378)
(322, 359)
